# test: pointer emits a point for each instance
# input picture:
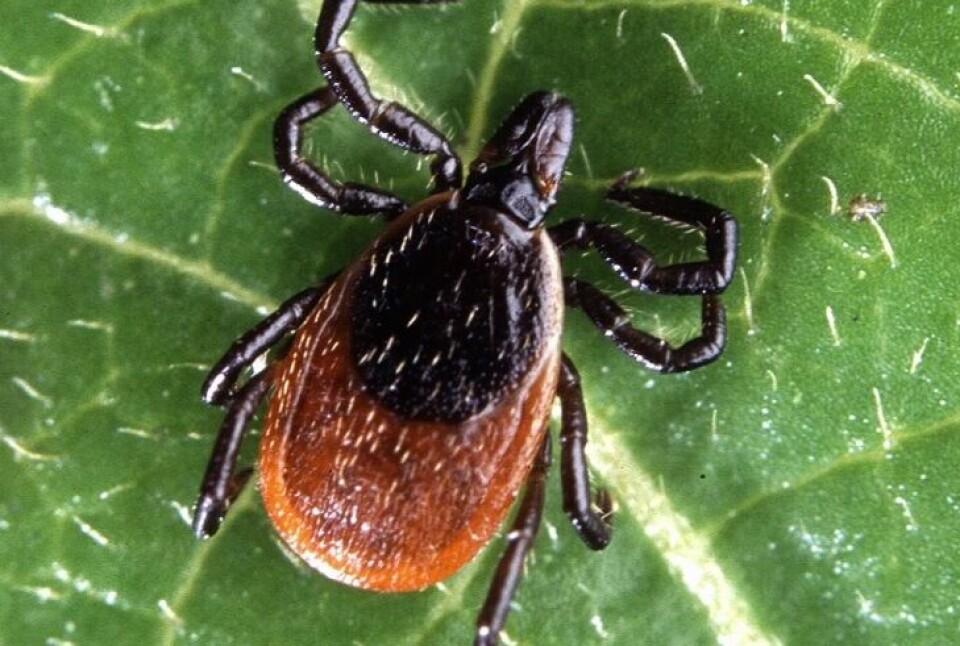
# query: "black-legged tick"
(412, 407)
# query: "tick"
(412, 406)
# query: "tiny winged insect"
(412, 407)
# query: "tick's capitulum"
(412, 407)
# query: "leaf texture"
(801, 490)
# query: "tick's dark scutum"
(448, 312)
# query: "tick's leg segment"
(393, 122)
(634, 264)
(219, 384)
(720, 235)
(592, 527)
(652, 352)
(222, 482)
(306, 179)
(493, 614)
(387, 119)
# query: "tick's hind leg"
(493, 614)
(653, 352)
(222, 482)
(386, 119)
(592, 527)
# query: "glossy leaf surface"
(801, 490)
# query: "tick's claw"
(208, 516)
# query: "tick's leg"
(222, 482)
(592, 527)
(493, 614)
(306, 179)
(634, 264)
(386, 119)
(652, 352)
(220, 382)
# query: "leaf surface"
(800, 490)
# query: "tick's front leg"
(387, 119)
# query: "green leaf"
(800, 490)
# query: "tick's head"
(520, 168)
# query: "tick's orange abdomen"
(371, 498)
